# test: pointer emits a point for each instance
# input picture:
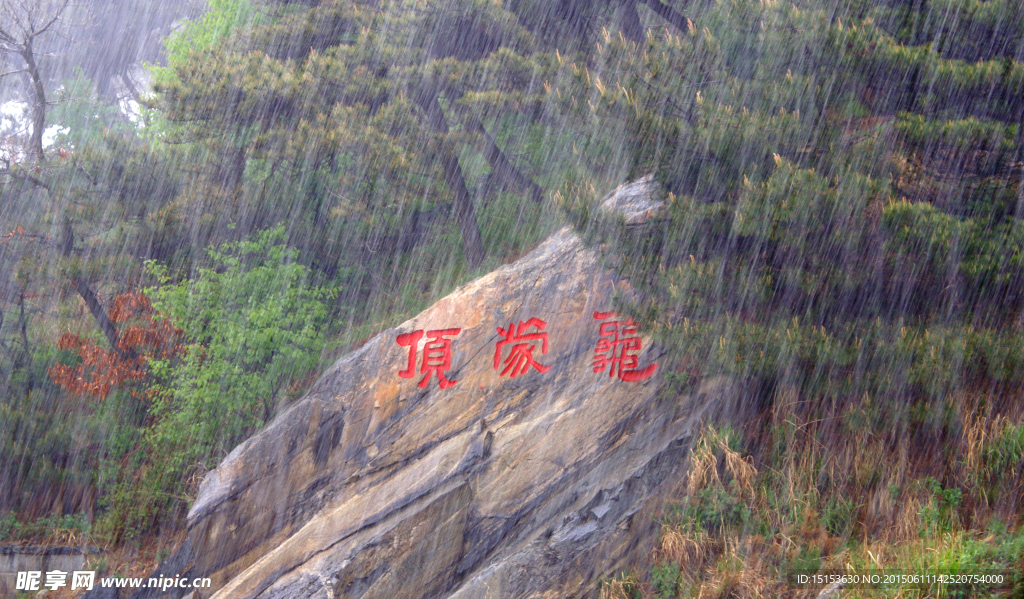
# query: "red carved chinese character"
(520, 359)
(617, 347)
(437, 355)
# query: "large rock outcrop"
(374, 486)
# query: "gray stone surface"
(637, 202)
(18, 558)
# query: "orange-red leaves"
(142, 338)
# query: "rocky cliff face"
(506, 442)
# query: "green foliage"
(965, 29)
(9, 526)
(665, 579)
(353, 115)
(939, 514)
(253, 326)
(717, 505)
(1006, 452)
(223, 18)
(838, 515)
(83, 118)
(714, 509)
(917, 130)
(54, 529)
(791, 249)
(869, 51)
(842, 234)
(959, 553)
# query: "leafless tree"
(22, 23)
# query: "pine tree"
(376, 101)
(831, 181)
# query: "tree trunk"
(669, 14)
(38, 104)
(99, 314)
(629, 21)
(502, 167)
(463, 202)
(464, 212)
(91, 301)
(30, 382)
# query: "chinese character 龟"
(617, 348)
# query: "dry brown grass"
(704, 464)
(805, 468)
(737, 574)
(618, 588)
(686, 549)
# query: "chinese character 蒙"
(520, 357)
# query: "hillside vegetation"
(844, 232)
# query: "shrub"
(251, 325)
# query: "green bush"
(665, 579)
(252, 326)
(59, 529)
(714, 509)
(940, 513)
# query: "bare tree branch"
(7, 172)
(33, 18)
(56, 16)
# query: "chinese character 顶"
(83, 579)
(56, 579)
(520, 358)
(28, 581)
(617, 347)
(437, 355)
